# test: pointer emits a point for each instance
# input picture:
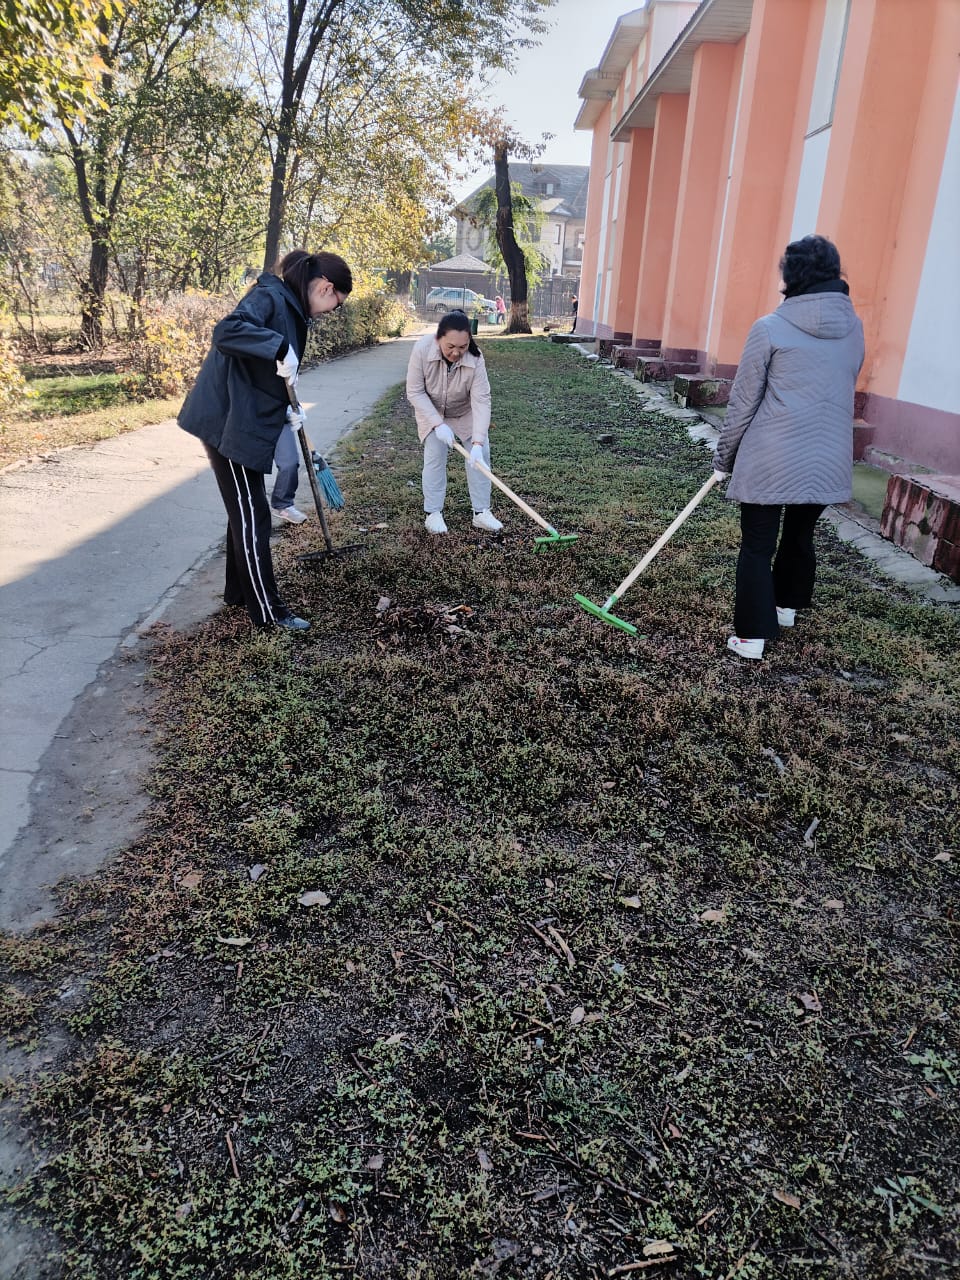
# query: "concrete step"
(656, 369)
(698, 390)
(921, 512)
(627, 357)
(874, 457)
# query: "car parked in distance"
(443, 299)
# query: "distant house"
(465, 272)
(561, 191)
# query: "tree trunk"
(137, 295)
(93, 293)
(511, 252)
(278, 183)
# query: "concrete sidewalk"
(99, 543)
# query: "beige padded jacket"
(458, 395)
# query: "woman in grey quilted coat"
(788, 438)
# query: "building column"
(660, 216)
(699, 203)
(633, 207)
(595, 230)
(761, 166)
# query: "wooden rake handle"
(484, 470)
(665, 537)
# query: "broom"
(325, 477)
(322, 484)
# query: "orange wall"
(631, 219)
(774, 60)
(657, 246)
(591, 240)
(700, 199)
(884, 165)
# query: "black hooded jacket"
(238, 403)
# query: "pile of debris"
(406, 624)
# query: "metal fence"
(551, 300)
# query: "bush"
(358, 324)
(13, 389)
(167, 355)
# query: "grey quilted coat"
(788, 432)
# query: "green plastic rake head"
(553, 539)
(602, 611)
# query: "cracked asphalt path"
(100, 542)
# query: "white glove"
(476, 455)
(288, 366)
(296, 417)
(444, 433)
(721, 475)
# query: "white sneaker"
(746, 648)
(786, 617)
(435, 523)
(290, 514)
(486, 520)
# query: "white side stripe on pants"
(250, 540)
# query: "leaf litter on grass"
(578, 988)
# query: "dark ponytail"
(459, 321)
(297, 268)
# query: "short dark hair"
(297, 268)
(807, 262)
(459, 321)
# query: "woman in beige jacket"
(448, 388)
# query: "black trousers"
(769, 575)
(249, 578)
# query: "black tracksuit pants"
(789, 581)
(249, 579)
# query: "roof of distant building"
(462, 262)
(568, 182)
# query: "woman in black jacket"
(238, 406)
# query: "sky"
(540, 95)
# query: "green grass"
(634, 952)
(73, 393)
(870, 488)
(76, 409)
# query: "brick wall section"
(696, 391)
(922, 514)
(627, 357)
(656, 369)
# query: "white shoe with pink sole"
(746, 648)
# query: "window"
(828, 65)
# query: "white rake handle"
(504, 489)
(664, 538)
